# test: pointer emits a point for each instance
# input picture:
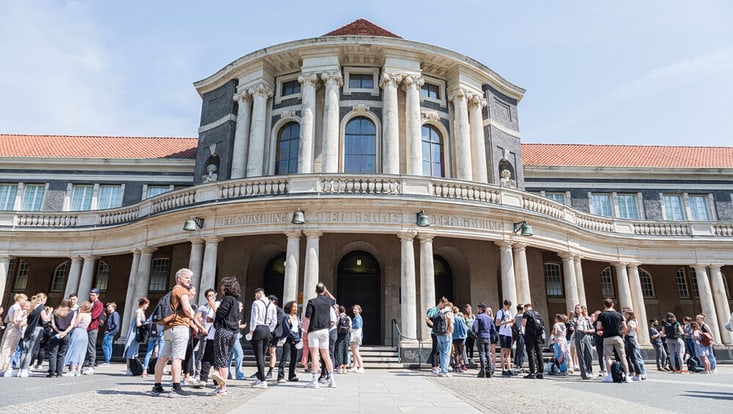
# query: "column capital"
(390, 79)
(196, 240)
(566, 255)
(504, 243)
(425, 236)
(295, 234)
(79, 258)
(634, 265)
(307, 79)
(716, 266)
(332, 78)
(260, 89)
(5, 257)
(407, 235)
(577, 258)
(619, 264)
(147, 249)
(89, 257)
(519, 246)
(412, 81)
(133, 251)
(476, 100)
(458, 95)
(312, 234)
(242, 96)
(699, 266)
(213, 239)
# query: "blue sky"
(621, 72)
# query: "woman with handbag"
(137, 333)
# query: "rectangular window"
(430, 91)
(627, 206)
(33, 197)
(673, 207)
(558, 197)
(21, 278)
(291, 87)
(553, 280)
(110, 196)
(159, 270)
(699, 208)
(361, 81)
(601, 204)
(607, 290)
(680, 282)
(693, 280)
(8, 192)
(81, 197)
(154, 190)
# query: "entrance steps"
(380, 357)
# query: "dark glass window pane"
(361, 81)
(291, 87)
(287, 149)
(432, 152)
(360, 146)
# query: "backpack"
(136, 367)
(515, 330)
(706, 338)
(344, 325)
(617, 372)
(163, 313)
(535, 325)
(440, 325)
(671, 330)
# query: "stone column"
(706, 298)
(478, 144)
(307, 123)
(637, 296)
(258, 129)
(508, 280)
(411, 85)
(333, 81)
(87, 276)
(143, 272)
(408, 305)
(195, 263)
(208, 269)
(4, 267)
(390, 124)
(624, 291)
(579, 278)
(241, 134)
(522, 273)
(464, 171)
(128, 308)
(72, 282)
(721, 303)
(571, 283)
(292, 264)
(310, 274)
(427, 279)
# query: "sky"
(648, 72)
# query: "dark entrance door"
(359, 284)
(274, 277)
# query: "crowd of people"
(570, 340)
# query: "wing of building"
(391, 170)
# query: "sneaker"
(23, 373)
(104, 364)
(332, 382)
(128, 373)
(629, 380)
(323, 380)
(89, 371)
(157, 390)
(293, 379)
(360, 370)
(268, 376)
(607, 378)
(539, 376)
(218, 393)
(199, 385)
(68, 374)
(313, 384)
(643, 377)
(464, 368)
(434, 370)
(259, 384)
(445, 375)
(37, 366)
(218, 380)
(77, 373)
(8, 373)
(635, 378)
(281, 381)
(178, 392)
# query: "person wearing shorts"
(504, 321)
(318, 313)
(612, 323)
(357, 333)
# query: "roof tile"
(65, 146)
(361, 27)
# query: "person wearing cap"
(93, 331)
(483, 327)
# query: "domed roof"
(361, 27)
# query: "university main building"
(389, 169)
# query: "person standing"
(175, 335)
(583, 344)
(111, 329)
(277, 333)
(237, 354)
(79, 342)
(469, 317)
(613, 325)
(318, 316)
(518, 334)
(656, 338)
(673, 333)
(700, 319)
(483, 328)
(504, 321)
(93, 330)
(12, 334)
(62, 322)
(132, 346)
(292, 337)
(33, 333)
(226, 323)
(263, 319)
(343, 332)
(357, 334)
(534, 338)
(434, 358)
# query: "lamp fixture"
(193, 224)
(523, 227)
(298, 217)
(423, 220)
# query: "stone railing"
(345, 185)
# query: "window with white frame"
(81, 197)
(553, 280)
(601, 204)
(33, 197)
(8, 193)
(21, 278)
(154, 190)
(432, 152)
(628, 207)
(60, 275)
(673, 209)
(647, 284)
(291, 87)
(680, 281)
(110, 196)
(360, 146)
(430, 91)
(159, 271)
(361, 80)
(699, 207)
(288, 87)
(725, 284)
(558, 197)
(102, 276)
(607, 290)
(693, 282)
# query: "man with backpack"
(505, 320)
(534, 338)
(434, 358)
(613, 324)
(442, 325)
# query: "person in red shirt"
(93, 331)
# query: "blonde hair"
(20, 297)
(85, 307)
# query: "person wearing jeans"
(482, 328)
(445, 340)
(112, 328)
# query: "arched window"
(432, 152)
(647, 285)
(443, 278)
(288, 141)
(553, 280)
(102, 276)
(607, 290)
(360, 146)
(159, 270)
(60, 275)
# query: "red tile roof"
(587, 155)
(361, 27)
(63, 146)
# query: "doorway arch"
(274, 277)
(443, 278)
(358, 282)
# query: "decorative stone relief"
(360, 108)
(431, 116)
(333, 77)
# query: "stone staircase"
(380, 357)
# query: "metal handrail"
(400, 337)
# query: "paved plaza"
(379, 391)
